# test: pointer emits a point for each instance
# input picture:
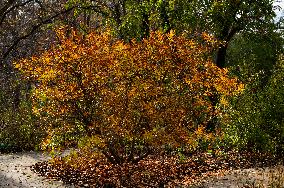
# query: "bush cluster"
(129, 99)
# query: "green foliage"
(254, 55)
(128, 16)
(19, 129)
(257, 123)
(257, 115)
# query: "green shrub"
(257, 116)
(20, 129)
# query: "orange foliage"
(157, 90)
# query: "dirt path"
(253, 177)
(15, 171)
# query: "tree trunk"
(164, 16)
(226, 36)
(145, 25)
(221, 56)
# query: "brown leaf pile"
(153, 171)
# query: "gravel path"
(15, 171)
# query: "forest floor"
(15, 172)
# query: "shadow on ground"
(8, 182)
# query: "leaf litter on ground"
(153, 171)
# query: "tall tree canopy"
(222, 18)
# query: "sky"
(279, 12)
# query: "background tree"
(224, 19)
(252, 55)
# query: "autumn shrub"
(257, 115)
(127, 100)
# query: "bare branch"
(33, 30)
(7, 9)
